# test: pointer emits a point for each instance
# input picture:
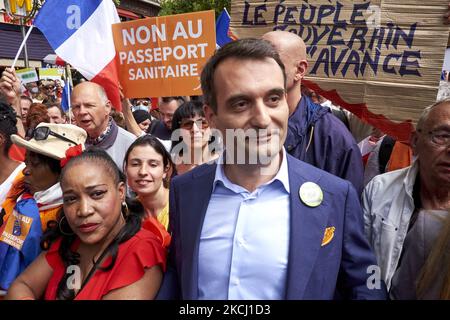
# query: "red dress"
(143, 250)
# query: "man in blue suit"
(260, 224)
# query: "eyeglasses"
(49, 87)
(188, 124)
(42, 133)
(440, 138)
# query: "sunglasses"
(42, 133)
(142, 103)
(188, 124)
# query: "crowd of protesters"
(160, 201)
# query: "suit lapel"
(196, 196)
(306, 231)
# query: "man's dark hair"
(24, 97)
(180, 100)
(244, 49)
(57, 105)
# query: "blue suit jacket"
(338, 269)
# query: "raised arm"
(130, 122)
(10, 87)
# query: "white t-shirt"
(6, 185)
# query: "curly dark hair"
(61, 229)
(8, 122)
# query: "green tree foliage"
(169, 7)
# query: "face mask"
(34, 90)
(139, 107)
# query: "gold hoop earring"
(61, 230)
(125, 210)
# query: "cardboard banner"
(50, 73)
(164, 56)
(380, 59)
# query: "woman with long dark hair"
(148, 168)
(97, 250)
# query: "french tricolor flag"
(80, 33)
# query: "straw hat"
(51, 141)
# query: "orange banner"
(164, 56)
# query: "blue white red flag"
(65, 98)
(223, 34)
(80, 33)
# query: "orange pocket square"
(328, 235)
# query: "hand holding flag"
(80, 33)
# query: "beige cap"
(53, 146)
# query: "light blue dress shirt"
(244, 242)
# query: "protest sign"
(27, 75)
(163, 56)
(379, 59)
(50, 73)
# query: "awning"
(54, 59)
(11, 38)
(127, 14)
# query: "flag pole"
(21, 46)
(69, 83)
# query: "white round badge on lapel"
(311, 194)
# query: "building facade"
(136, 9)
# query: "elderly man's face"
(90, 111)
(434, 159)
(249, 99)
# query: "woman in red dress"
(98, 249)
